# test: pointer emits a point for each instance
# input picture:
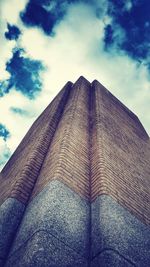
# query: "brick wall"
(90, 141)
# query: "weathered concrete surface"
(110, 258)
(63, 215)
(44, 250)
(11, 212)
(117, 233)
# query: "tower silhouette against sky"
(76, 192)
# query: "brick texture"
(120, 154)
(68, 156)
(90, 141)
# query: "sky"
(45, 43)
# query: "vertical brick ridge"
(22, 187)
(68, 157)
(90, 106)
(97, 149)
(121, 167)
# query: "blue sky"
(45, 43)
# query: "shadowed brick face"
(89, 152)
(120, 154)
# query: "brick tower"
(76, 192)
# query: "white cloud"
(10, 10)
(14, 123)
(5, 153)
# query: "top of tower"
(82, 79)
(96, 84)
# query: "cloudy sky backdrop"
(45, 43)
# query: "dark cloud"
(43, 14)
(12, 32)
(4, 155)
(24, 75)
(4, 133)
(4, 85)
(135, 25)
(108, 36)
(20, 111)
(46, 13)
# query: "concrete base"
(45, 250)
(110, 258)
(11, 212)
(56, 226)
(56, 231)
(118, 238)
